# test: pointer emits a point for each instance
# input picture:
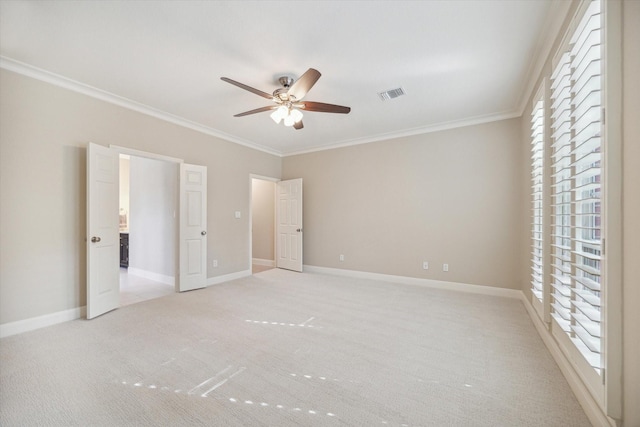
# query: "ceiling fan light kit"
(288, 114)
(287, 99)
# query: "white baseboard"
(591, 408)
(156, 277)
(265, 262)
(26, 325)
(228, 277)
(437, 284)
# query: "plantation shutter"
(561, 193)
(576, 188)
(537, 162)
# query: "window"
(576, 241)
(537, 163)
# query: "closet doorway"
(263, 221)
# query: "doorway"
(148, 228)
(280, 238)
(263, 221)
(190, 235)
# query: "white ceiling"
(459, 61)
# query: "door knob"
(204, 233)
(95, 239)
(299, 230)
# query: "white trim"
(429, 283)
(26, 325)
(156, 277)
(412, 132)
(264, 177)
(265, 262)
(61, 81)
(585, 398)
(612, 208)
(137, 153)
(228, 277)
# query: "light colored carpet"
(289, 349)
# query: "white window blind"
(537, 163)
(576, 187)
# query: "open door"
(289, 225)
(103, 244)
(193, 227)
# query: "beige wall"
(631, 211)
(444, 197)
(43, 136)
(263, 217)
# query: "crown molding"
(412, 132)
(66, 83)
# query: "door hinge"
(604, 246)
(604, 115)
(604, 371)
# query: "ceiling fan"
(288, 99)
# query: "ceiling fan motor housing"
(281, 93)
(286, 81)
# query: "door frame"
(178, 162)
(274, 180)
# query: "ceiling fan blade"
(304, 83)
(322, 107)
(249, 88)
(257, 110)
(298, 125)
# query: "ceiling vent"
(392, 93)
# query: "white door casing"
(193, 227)
(103, 244)
(289, 225)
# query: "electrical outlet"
(341, 257)
(425, 265)
(445, 267)
(215, 263)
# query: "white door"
(193, 227)
(103, 237)
(289, 225)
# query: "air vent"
(392, 93)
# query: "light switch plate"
(238, 214)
